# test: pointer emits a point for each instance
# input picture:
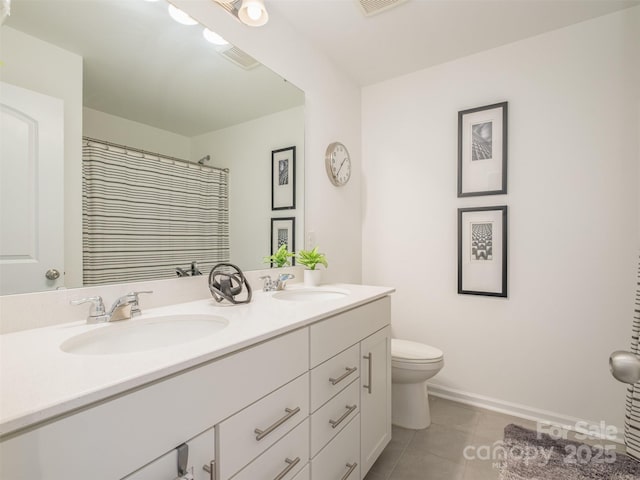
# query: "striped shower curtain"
(632, 418)
(146, 214)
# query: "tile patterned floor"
(437, 453)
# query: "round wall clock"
(338, 163)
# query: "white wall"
(573, 215)
(30, 63)
(332, 113)
(246, 150)
(104, 126)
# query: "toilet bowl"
(412, 364)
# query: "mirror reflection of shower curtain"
(632, 416)
(144, 215)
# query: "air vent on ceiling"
(230, 52)
(238, 57)
(371, 7)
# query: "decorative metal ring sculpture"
(226, 281)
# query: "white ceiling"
(422, 33)
(140, 64)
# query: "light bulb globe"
(181, 17)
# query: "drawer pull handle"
(352, 467)
(349, 371)
(211, 469)
(370, 358)
(260, 434)
(291, 465)
(335, 423)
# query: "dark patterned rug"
(529, 455)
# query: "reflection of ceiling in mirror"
(141, 65)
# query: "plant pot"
(312, 278)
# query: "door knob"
(625, 366)
(52, 274)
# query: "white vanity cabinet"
(303, 405)
(350, 361)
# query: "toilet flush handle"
(370, 359)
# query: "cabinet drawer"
(329, 420)
(340, 457)
(338, 333)
(290, 454)
(274, 415)
(332, 376)
(201, 450)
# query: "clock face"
(338, 163)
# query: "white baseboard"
(528, 413)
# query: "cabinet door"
(375, 396)
(200, 453)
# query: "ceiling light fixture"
(214, 38)
(253, 13)
(181, 17)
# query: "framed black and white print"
(283, 231)
(283, 179)
(482, 151)
(482, 251)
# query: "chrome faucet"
(192, 272)
(279, 284)
(124, 308)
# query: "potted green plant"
(311, 259)
(282, 257)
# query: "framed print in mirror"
(482, 151)
(283, 231)
(283, 179)
(482, 251)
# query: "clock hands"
(344, 160)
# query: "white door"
(31, 190)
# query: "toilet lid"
(413, 351)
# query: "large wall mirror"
(124, 72)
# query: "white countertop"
(39, 381)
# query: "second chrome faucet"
(277, 284)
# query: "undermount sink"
(310, 294)
(139, 335)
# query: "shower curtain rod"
(146, 152)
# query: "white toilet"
(412, 364)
